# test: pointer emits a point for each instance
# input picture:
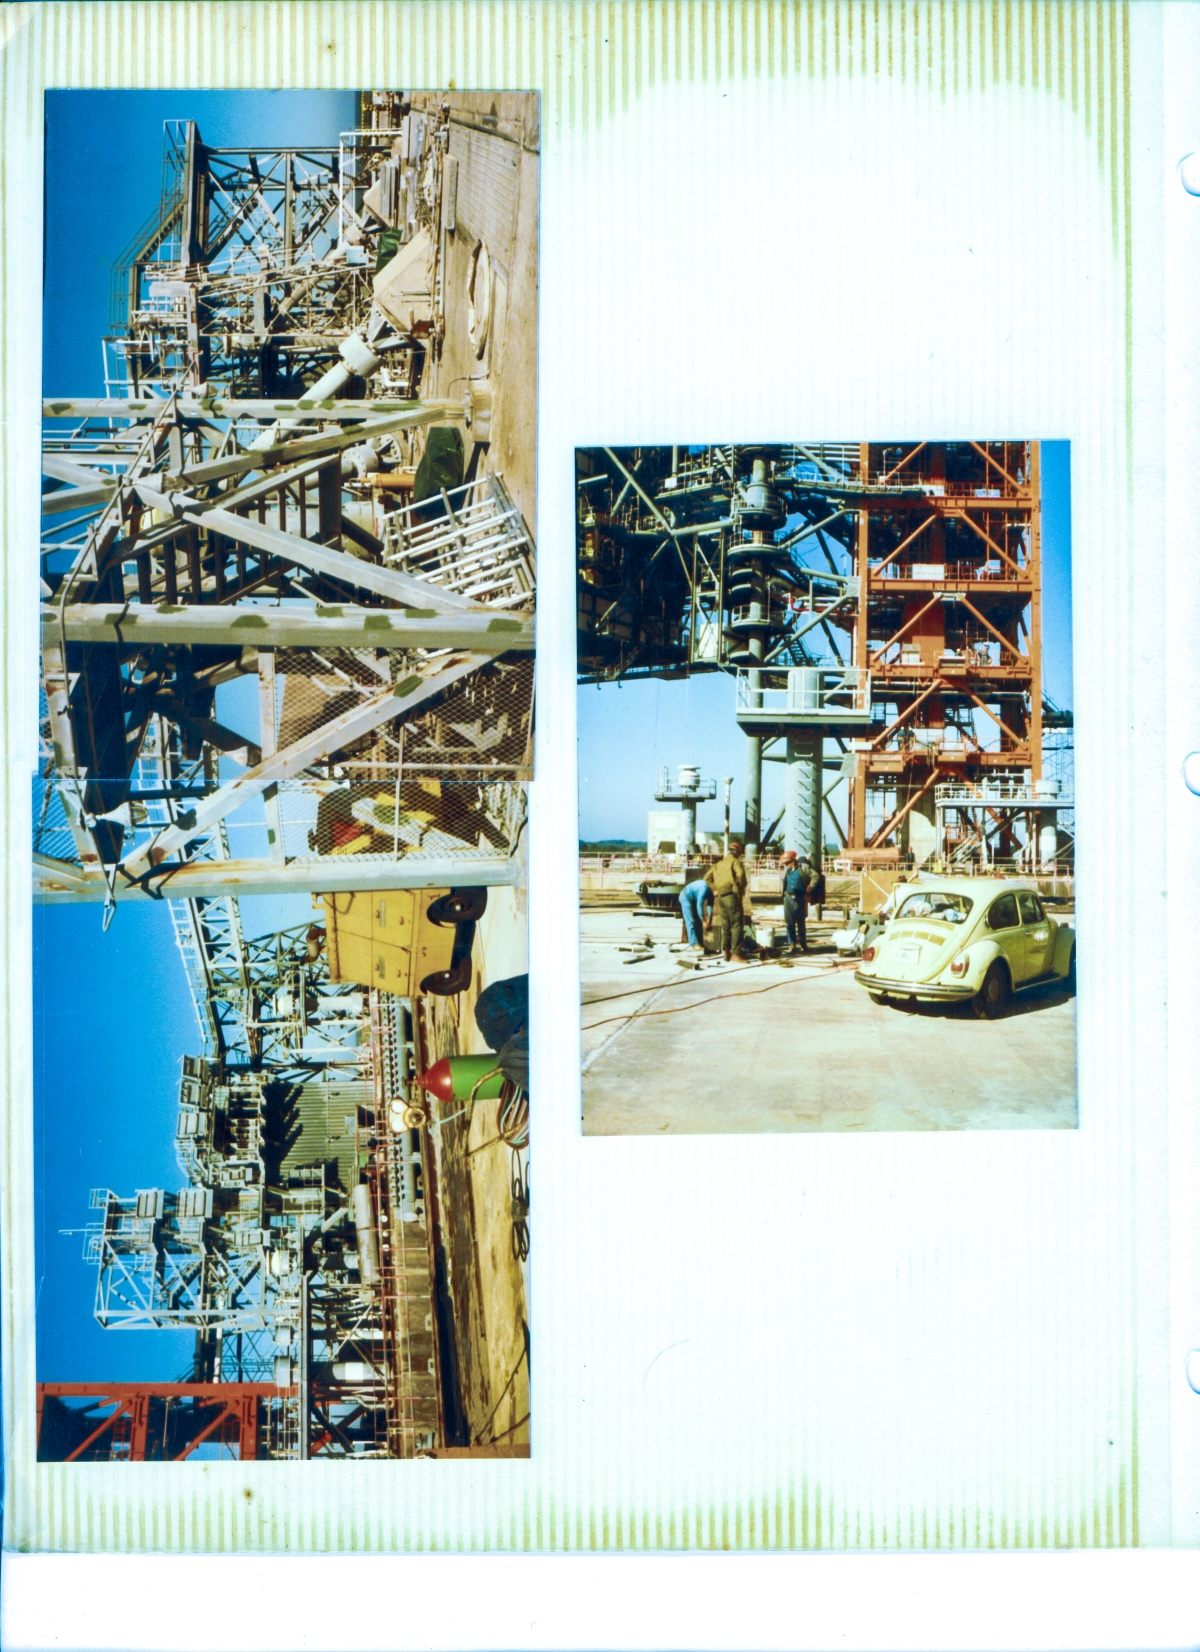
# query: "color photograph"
(287, 625)
(826, 787)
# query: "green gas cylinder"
(455, 1076)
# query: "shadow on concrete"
(1030, 1002)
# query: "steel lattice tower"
(880, 607)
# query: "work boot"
(728, 955)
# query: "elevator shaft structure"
(880, 607)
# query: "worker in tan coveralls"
(729, 886)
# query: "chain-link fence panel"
(478, 729)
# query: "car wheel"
(877, 997)
(995, 995)
(444, 983)
(459, 906)
(1071, 974)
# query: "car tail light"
(959, 966)
(868, 954)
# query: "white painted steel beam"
(60, 883)
(334, 736)
(221, 407)
(307, 553)
(329, 441)
(300, 625)
(70, 470)
(322, 559)
(76, 499)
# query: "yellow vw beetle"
(967, 938)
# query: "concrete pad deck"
(475, 1179)
(776, 1047)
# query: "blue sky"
(112, 1013)
(627, 732)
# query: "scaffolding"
(880, 607)
(247, 501)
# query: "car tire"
(994, 998)
(444, 983)
(459, 906)
(877, 997)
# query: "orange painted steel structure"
(943, 633)
(136, 1429)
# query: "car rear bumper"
(934, 990)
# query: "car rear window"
(937, 903)
(1003, 914)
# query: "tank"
(455, 1077)
(804, 689)
(362, 1214)
(353, 1370)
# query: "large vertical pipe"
(688, 829)
(802, 799)
(1047, 841)
(753, 785)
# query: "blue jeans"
(794, 914)
(692, 903)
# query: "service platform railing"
(805, 694)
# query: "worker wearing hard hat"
(729, 886)
(795, 901)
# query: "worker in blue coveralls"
(795, 901)
(696, 902)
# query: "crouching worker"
(729, 886)
(696, 902)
